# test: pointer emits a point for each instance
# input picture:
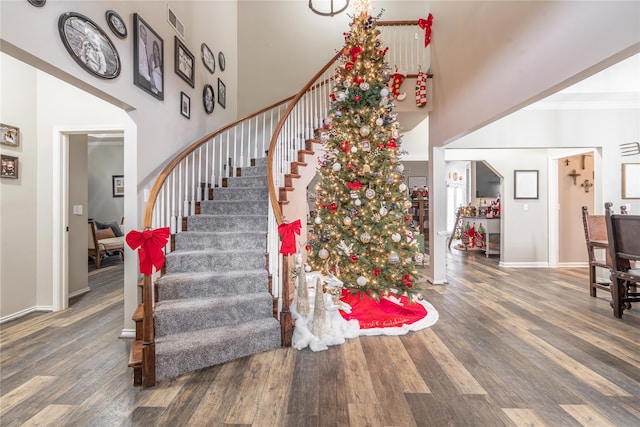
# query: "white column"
(437, 218)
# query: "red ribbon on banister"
(149, 244)
(425, 24)
(288, 232)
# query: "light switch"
(525, 207)
(77, 209)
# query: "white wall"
(78, 230)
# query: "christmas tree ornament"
(354, 258)
(402, 187)
(366, 145)
(346, 84)
(365, 237)
(370, 193)
(317, 220)
(336, 167)
(347, 221)
(333, 207)
(396, 237)
(366, 168)
(344, 248)
(383, 210)
(341, 96)
(395, 133)
(364, 130)
(354, 149)
(419, 258)
(323, 253)
(356, 98)
(357, 202)
(400, 168)
(364, 86)
(353, 195)
(361, 281)
(384, 92)
(394, 258)
(307, 268)
(379, 121)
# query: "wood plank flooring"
(513, 347)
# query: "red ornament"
(407, 282)
(356, 98)
(392, 144)
(380, 146)
(354, 258)
(376, 272)
(332, 96)
(308, 247)
(355, 52)
(348, 66)
(407, 218)
(357, 80)
(344, 146)
(333, 207)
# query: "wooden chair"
(624, 249)
(595, 234)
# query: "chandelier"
(332, 12)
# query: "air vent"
(175, 22)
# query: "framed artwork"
(185, 105)
(116, 24)
(148, 58)
(184, 63)
(8, 167)
(208, 98)
(208, 59)
(525, 184)
(417, 181)
(117, 185)
(631, 180)
(88, 45)
(221, 61)
(37, 3)
(222, 94)
(9, 135)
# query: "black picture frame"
(221, 61)
(208, 59)
(184, 63)
(208, 98)
(148, 68)
(37, 3)
(116, 24)
(222, 94)
(9, 166)
(525, 184)
(185, 105)
(89, 45)
(117, 185)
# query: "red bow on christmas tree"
(288, 232)
(355, 185)
(355, 52)
(425, 24)
(149, 244)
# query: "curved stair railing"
(280, 132)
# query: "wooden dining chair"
(624, 249)
(595, 234)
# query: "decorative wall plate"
(221, 61)
(208, 98)
(37, 3)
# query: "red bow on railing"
(288, 232)
(425, 24)
(149, 244)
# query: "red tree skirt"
(388, 316)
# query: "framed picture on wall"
(208, 98)
(117, 25)
(525, 184)
(222, 94)
(185, 105)
(8, 167)
(148, 58)
(9, 135)
(117, 183)
(184, 63)
(631, 180)
(88, 45)
(208, 59)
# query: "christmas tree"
(362, 231)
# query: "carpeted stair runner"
(214, 305)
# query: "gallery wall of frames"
(88, 43)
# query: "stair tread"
(223, 300)
(183, 252)
(135, 355)
(177, 341)
(138, 314)
(206, 274)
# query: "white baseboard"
(22, 313)
(128, 333)
(573, 264)
(524, 264)
(80, 292)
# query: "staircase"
(214, 300)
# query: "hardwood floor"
(523, 347)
